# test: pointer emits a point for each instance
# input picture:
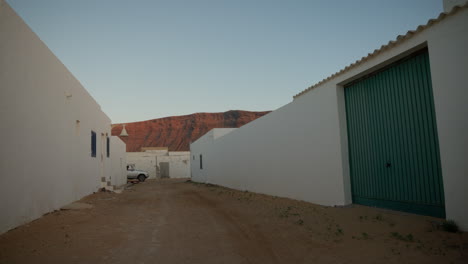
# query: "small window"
(93, 144)
(201, 162)
(193, 157)
(108, 147)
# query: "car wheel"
(141, 177)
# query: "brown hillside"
(176, 132)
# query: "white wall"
(449, 67)
(118, 161)
(291, 152)
(179, 163)
(45, 153)
(300, 150)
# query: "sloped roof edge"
(399, 39)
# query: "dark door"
(164, 169)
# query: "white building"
(161, 163)
(390, 130)
(56, 144)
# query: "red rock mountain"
(176, 132)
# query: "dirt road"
(174, 221)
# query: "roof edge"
(399, 39)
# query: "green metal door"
(393, 142)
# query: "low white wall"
(178, 153)
(118, 161)
(47, 118)
(179, 162)
(300, 150)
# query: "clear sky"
(145, 59)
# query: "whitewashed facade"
(47, 117)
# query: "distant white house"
(390, 130)
(56, 144)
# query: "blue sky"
(146, 59)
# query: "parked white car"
(133, 173)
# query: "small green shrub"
(450, 226)
(407, 238)
(339, 230)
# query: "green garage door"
(393, 143)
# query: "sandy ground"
(174, 221)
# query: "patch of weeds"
(407, 238)
(396, 251)
(300, 222)
(243, 198)
(365, 235)
(339, 230)
(378, 217)
(450, 226)
(362, 218)
(286, 212)
(453, 246)
(196, 183)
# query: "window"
(201, 162)
(193, 157)
(93, 144)
(108, 147)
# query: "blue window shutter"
(93, 144)
(108, 147)
(201, 162)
